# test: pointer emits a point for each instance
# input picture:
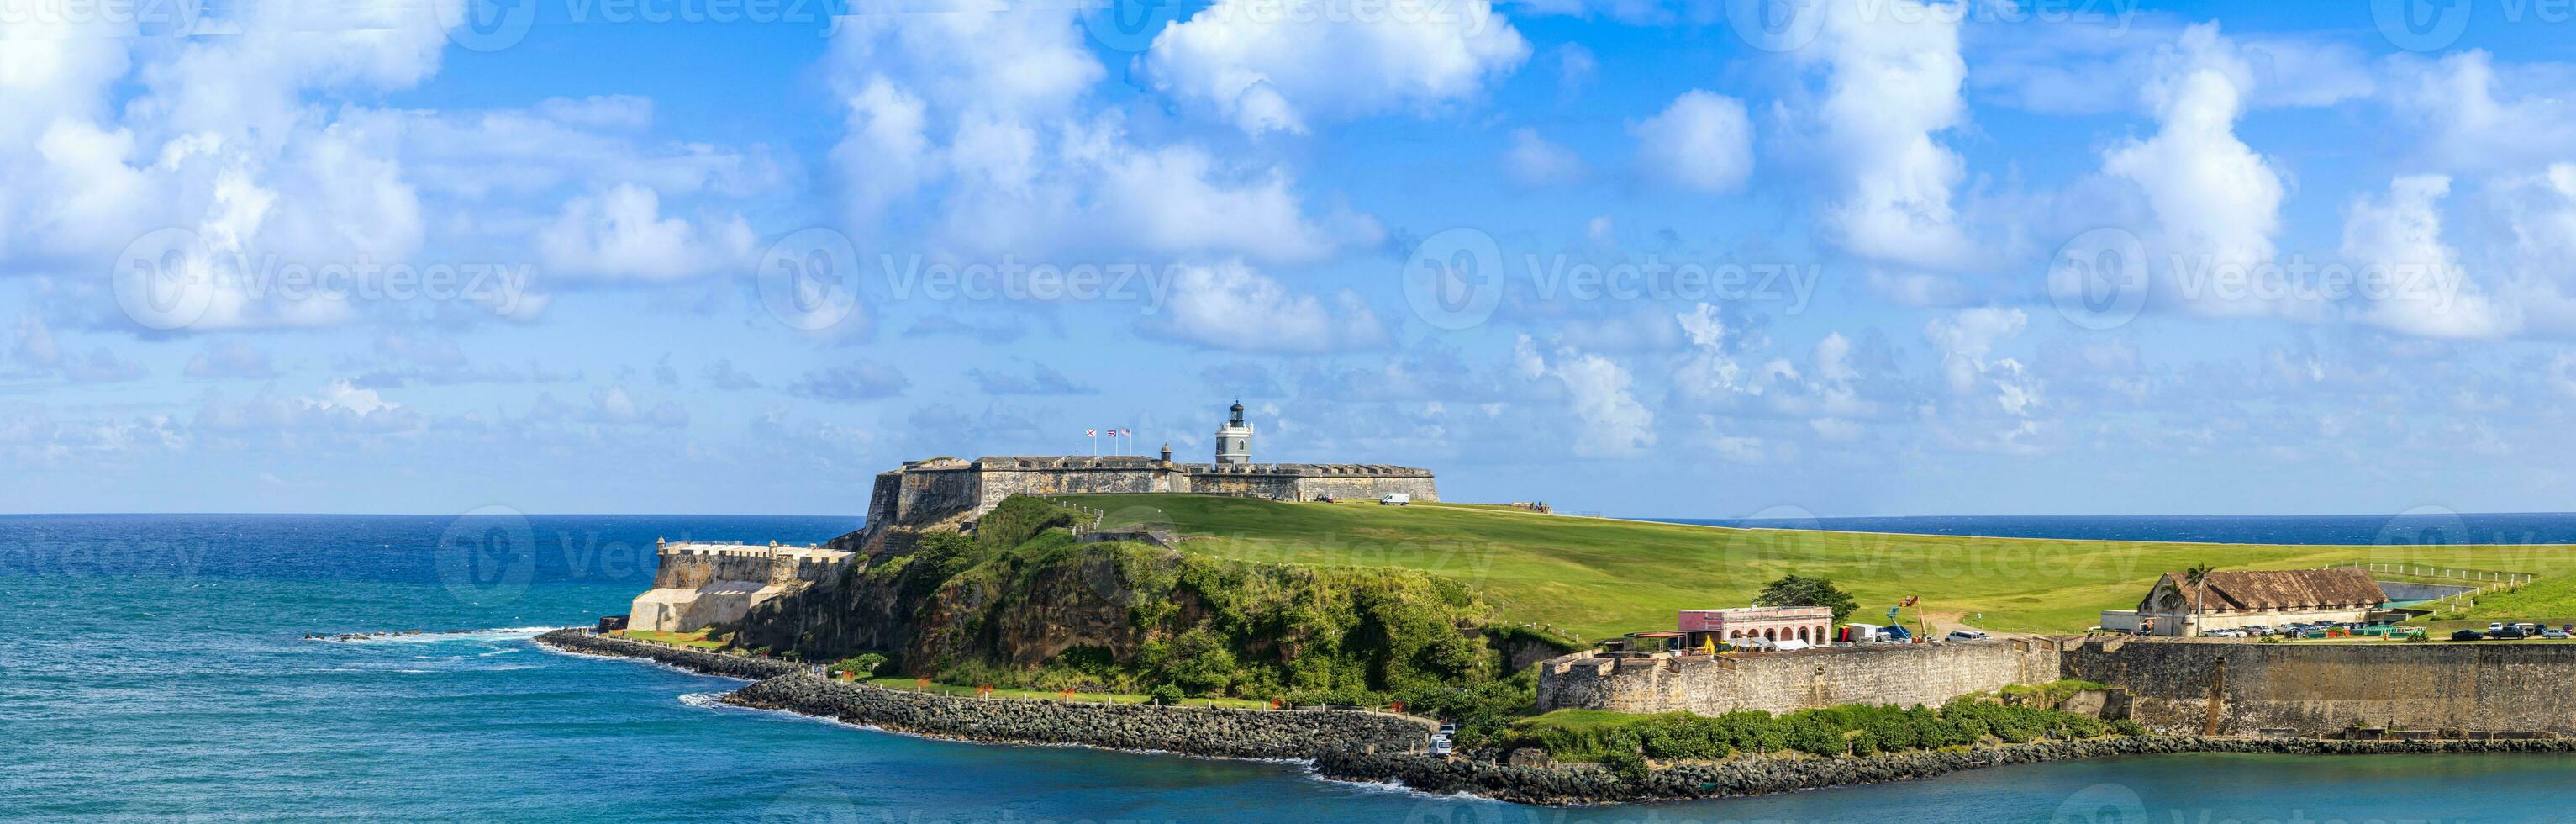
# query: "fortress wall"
(1262, 485)
(1005, 482)
(698, 585)
(689, 570)
(1368, 486)
(1899, 674)
(925, 495)
(2319, 687)
(884, 498)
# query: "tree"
(1803, 591)
(2197, 577)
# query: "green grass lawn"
(1600, 577)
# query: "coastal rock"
(711, 663)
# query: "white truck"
(1396, 499)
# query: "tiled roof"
(2282, 589)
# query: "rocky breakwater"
(1595, 784)
(1206, 731)
(694, 660)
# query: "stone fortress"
(699, 584)
(942, 492)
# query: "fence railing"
(2484, 580)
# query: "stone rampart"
(701, 584)
(694, 660)
(2309, 688)
(1210, 731)
(1899, 674)
(941, 493)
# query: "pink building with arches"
(1813, 625)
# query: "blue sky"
(1874, 257)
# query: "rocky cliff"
(1022, 602)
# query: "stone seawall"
(711, 663)
(1899, 674)
(1207, 731)
(1592, 784)
(1228, 733)
(2307, 688)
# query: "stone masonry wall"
(1200, 730)
(711, 663)
(1899, 674)
(2326, 687)
(1003, 483)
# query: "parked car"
(2529, 629)
(2467, 635)
(2556, 634)
(2507, 634)
(2495, 625)
(1965, 635)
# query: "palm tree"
(2197, 577)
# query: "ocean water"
(152, 669)
(2429, 526)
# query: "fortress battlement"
(942, 492)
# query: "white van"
(1965, 635)
(1396, 499)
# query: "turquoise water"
(154, 672)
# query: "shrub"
(863, 664)
(1166, 695)
(1627, 765)
(1608, 737)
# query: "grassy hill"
(1597, 577)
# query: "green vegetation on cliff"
(1023, 604)
(1601, 577)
